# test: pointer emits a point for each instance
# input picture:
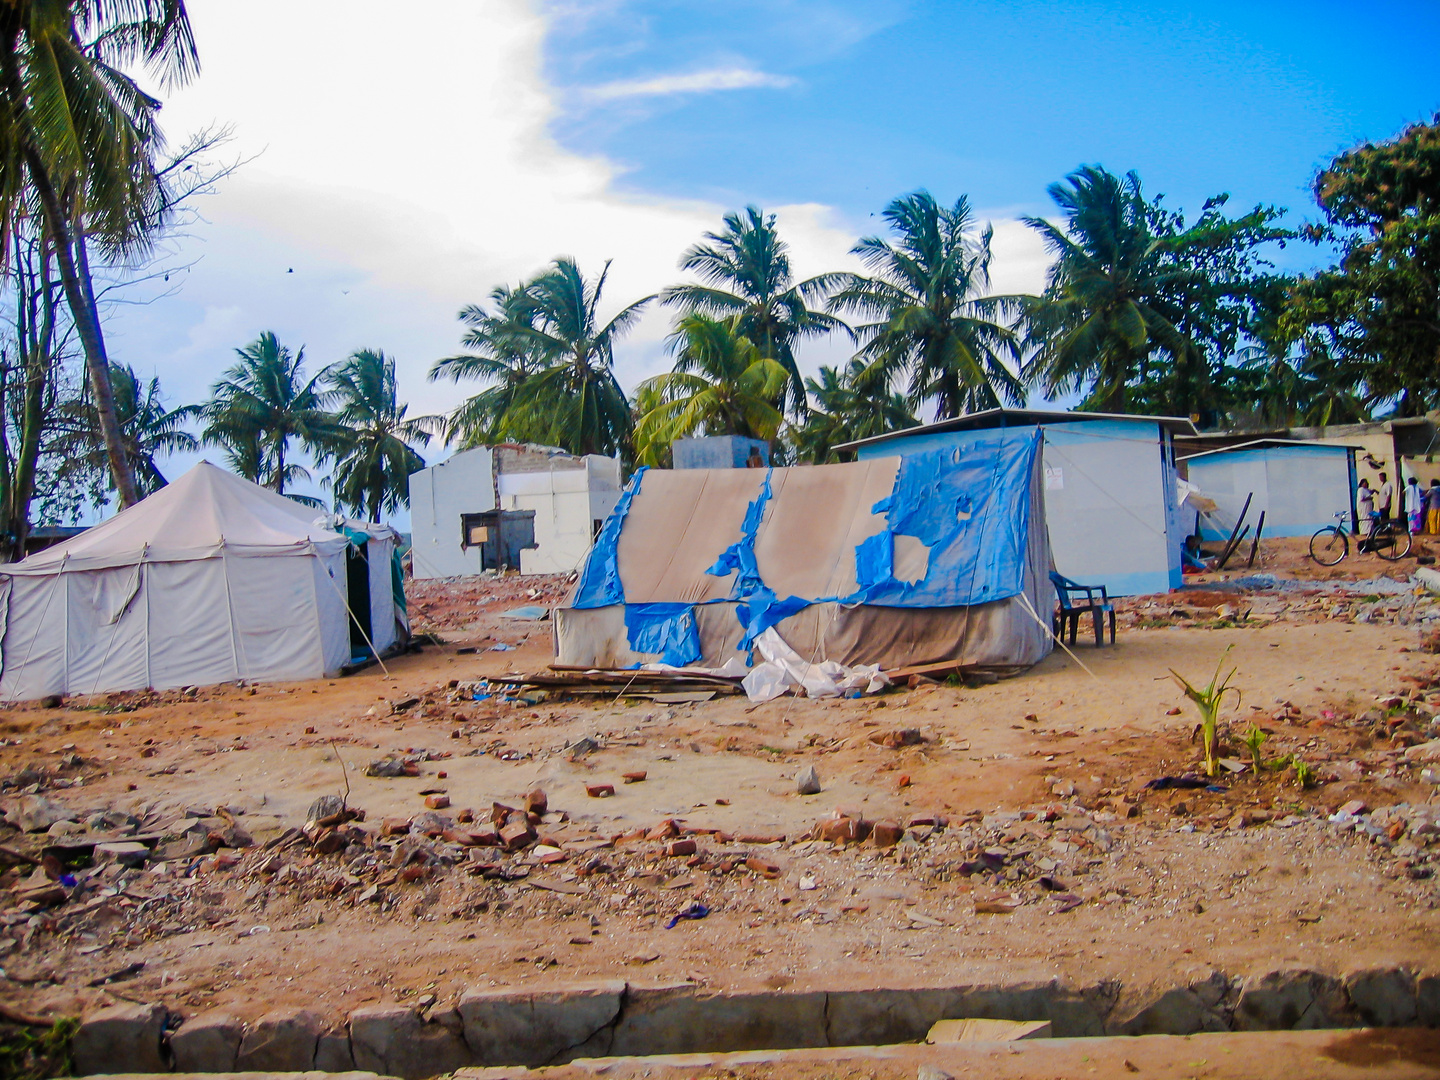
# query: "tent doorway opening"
(357, 582)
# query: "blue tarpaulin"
(969, 506)
(600, 583)
(668, 629)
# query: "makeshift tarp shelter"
(210, 579)
(933, 557)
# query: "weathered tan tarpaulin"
(686, 578)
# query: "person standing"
(1432, 508)
(1365, 499)
(1384, 497)
(1414, 514)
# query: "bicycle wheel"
(1328, 546)
(1395, 545)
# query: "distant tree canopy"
(1377, 312)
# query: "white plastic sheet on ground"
(784, 669)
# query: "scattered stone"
(886, 833)
(932, 1072)
(35, 813)
(325, 808)
(392, 767)
(537, 802)
(807, 781)
(437, 802)
(124, 852)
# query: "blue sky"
(993, 100)
(395, 170)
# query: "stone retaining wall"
(540, 1027)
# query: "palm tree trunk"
(87, 324)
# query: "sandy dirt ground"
(1032, 846)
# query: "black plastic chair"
(1072, 606)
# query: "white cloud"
(401, 173)
(698, 82)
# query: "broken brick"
(680, 847)
(599, 791)
(437, 802)
(886, 833)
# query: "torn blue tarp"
(668, 629)
(970, 506)
(600, 584)
(739, 557)
(763, 610)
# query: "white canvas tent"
(210, 579)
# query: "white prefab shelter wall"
(210, 579)
(439, 495)
(567, 504)
(1299, 488)
(1110, 499)
(568, 495)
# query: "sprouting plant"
(1255, 739)
(1208, 700)
(1304, 774)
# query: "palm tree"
(1103, 313)
(148, 429)
(745, 270)
(375, 460)
(261, 405)
(721, 385)
(930, 320)
(846, 407)
(504, 351)
(77, 136)
(573, 399)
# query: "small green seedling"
(1304, 774)
(1254, 740)
(1209, 700)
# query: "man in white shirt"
(1384, 498)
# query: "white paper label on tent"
(1054, 478)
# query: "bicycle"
(1331, 544)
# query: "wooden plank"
(1255, 543)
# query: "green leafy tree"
(572, 400)
(1141, 311)
(721, 385)
(77, 141)
(929, 322)
(745, 272)
(374, 457)
(845, 407)
(1379, 307)
(263, 404)
(148, 430)
(504, 351)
